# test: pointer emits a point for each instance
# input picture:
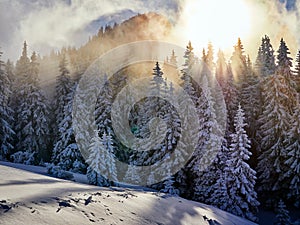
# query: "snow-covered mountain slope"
(30, 198)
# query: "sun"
(218, 21)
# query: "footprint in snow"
(63, 204)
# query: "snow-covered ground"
(31, 198)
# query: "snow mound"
(30, 198)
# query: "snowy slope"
(30, 198)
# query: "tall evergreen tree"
(251, 95)
(274, 122)
(224, 77)
(265, 61)
(66, 153)
(63, 88)
(240, 177)
(258, 65)
(9, 68)
(110, 158)
(208, 58)
(297, 72)
(151, 108)
(32, 124)
(279, 99)
(6, 120)
(190, 61)
(172, 120)
(238, 64)
(292, 158)
(230, 93)
(101, 160)
(103, 108)
(96, 162)
(220, 196)
(22, 71)
(282, 217)
(204, 56)
(210, 141)
(183, 176)
(221, 69)
(173, 58)
(157, 81)
(132, 174)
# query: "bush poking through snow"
(56, 171)
(27, 158)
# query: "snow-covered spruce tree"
(265, 60)
(274, 122)
(21, 71)
(154, 104)
(282, 216)
(230, 94)
(250, 95)
(6, 119)
(284, 67)
(208, 58)
(225, 79)
(132, 174)
(258, 65)
(279, 99)
(269, 65)
(151, 108)
(183, 177)
(173, 134)
(66, 153)
(246, 83)
(190, 61)
(297, 72)
(297, 64)
(96, 162)
(238, 64)
(103, 108)
(240, 178)
(9, 68)
(170, 68)
(63, 88)
(221, 69)
(101, 160)
(32, 120)
(292, 158)
(210, 141)
(239, 69)
(173, 59)
(110, 157)
(169, 186)
(220, 196)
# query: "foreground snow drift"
(29, 198)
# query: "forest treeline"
(258, 159)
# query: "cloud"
(51, 24)
(277, 19)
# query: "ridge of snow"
(30, 198)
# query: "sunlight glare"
(218, 21)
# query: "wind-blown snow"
(30, 198)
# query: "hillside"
(30, 198)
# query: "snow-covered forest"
(258, 161)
